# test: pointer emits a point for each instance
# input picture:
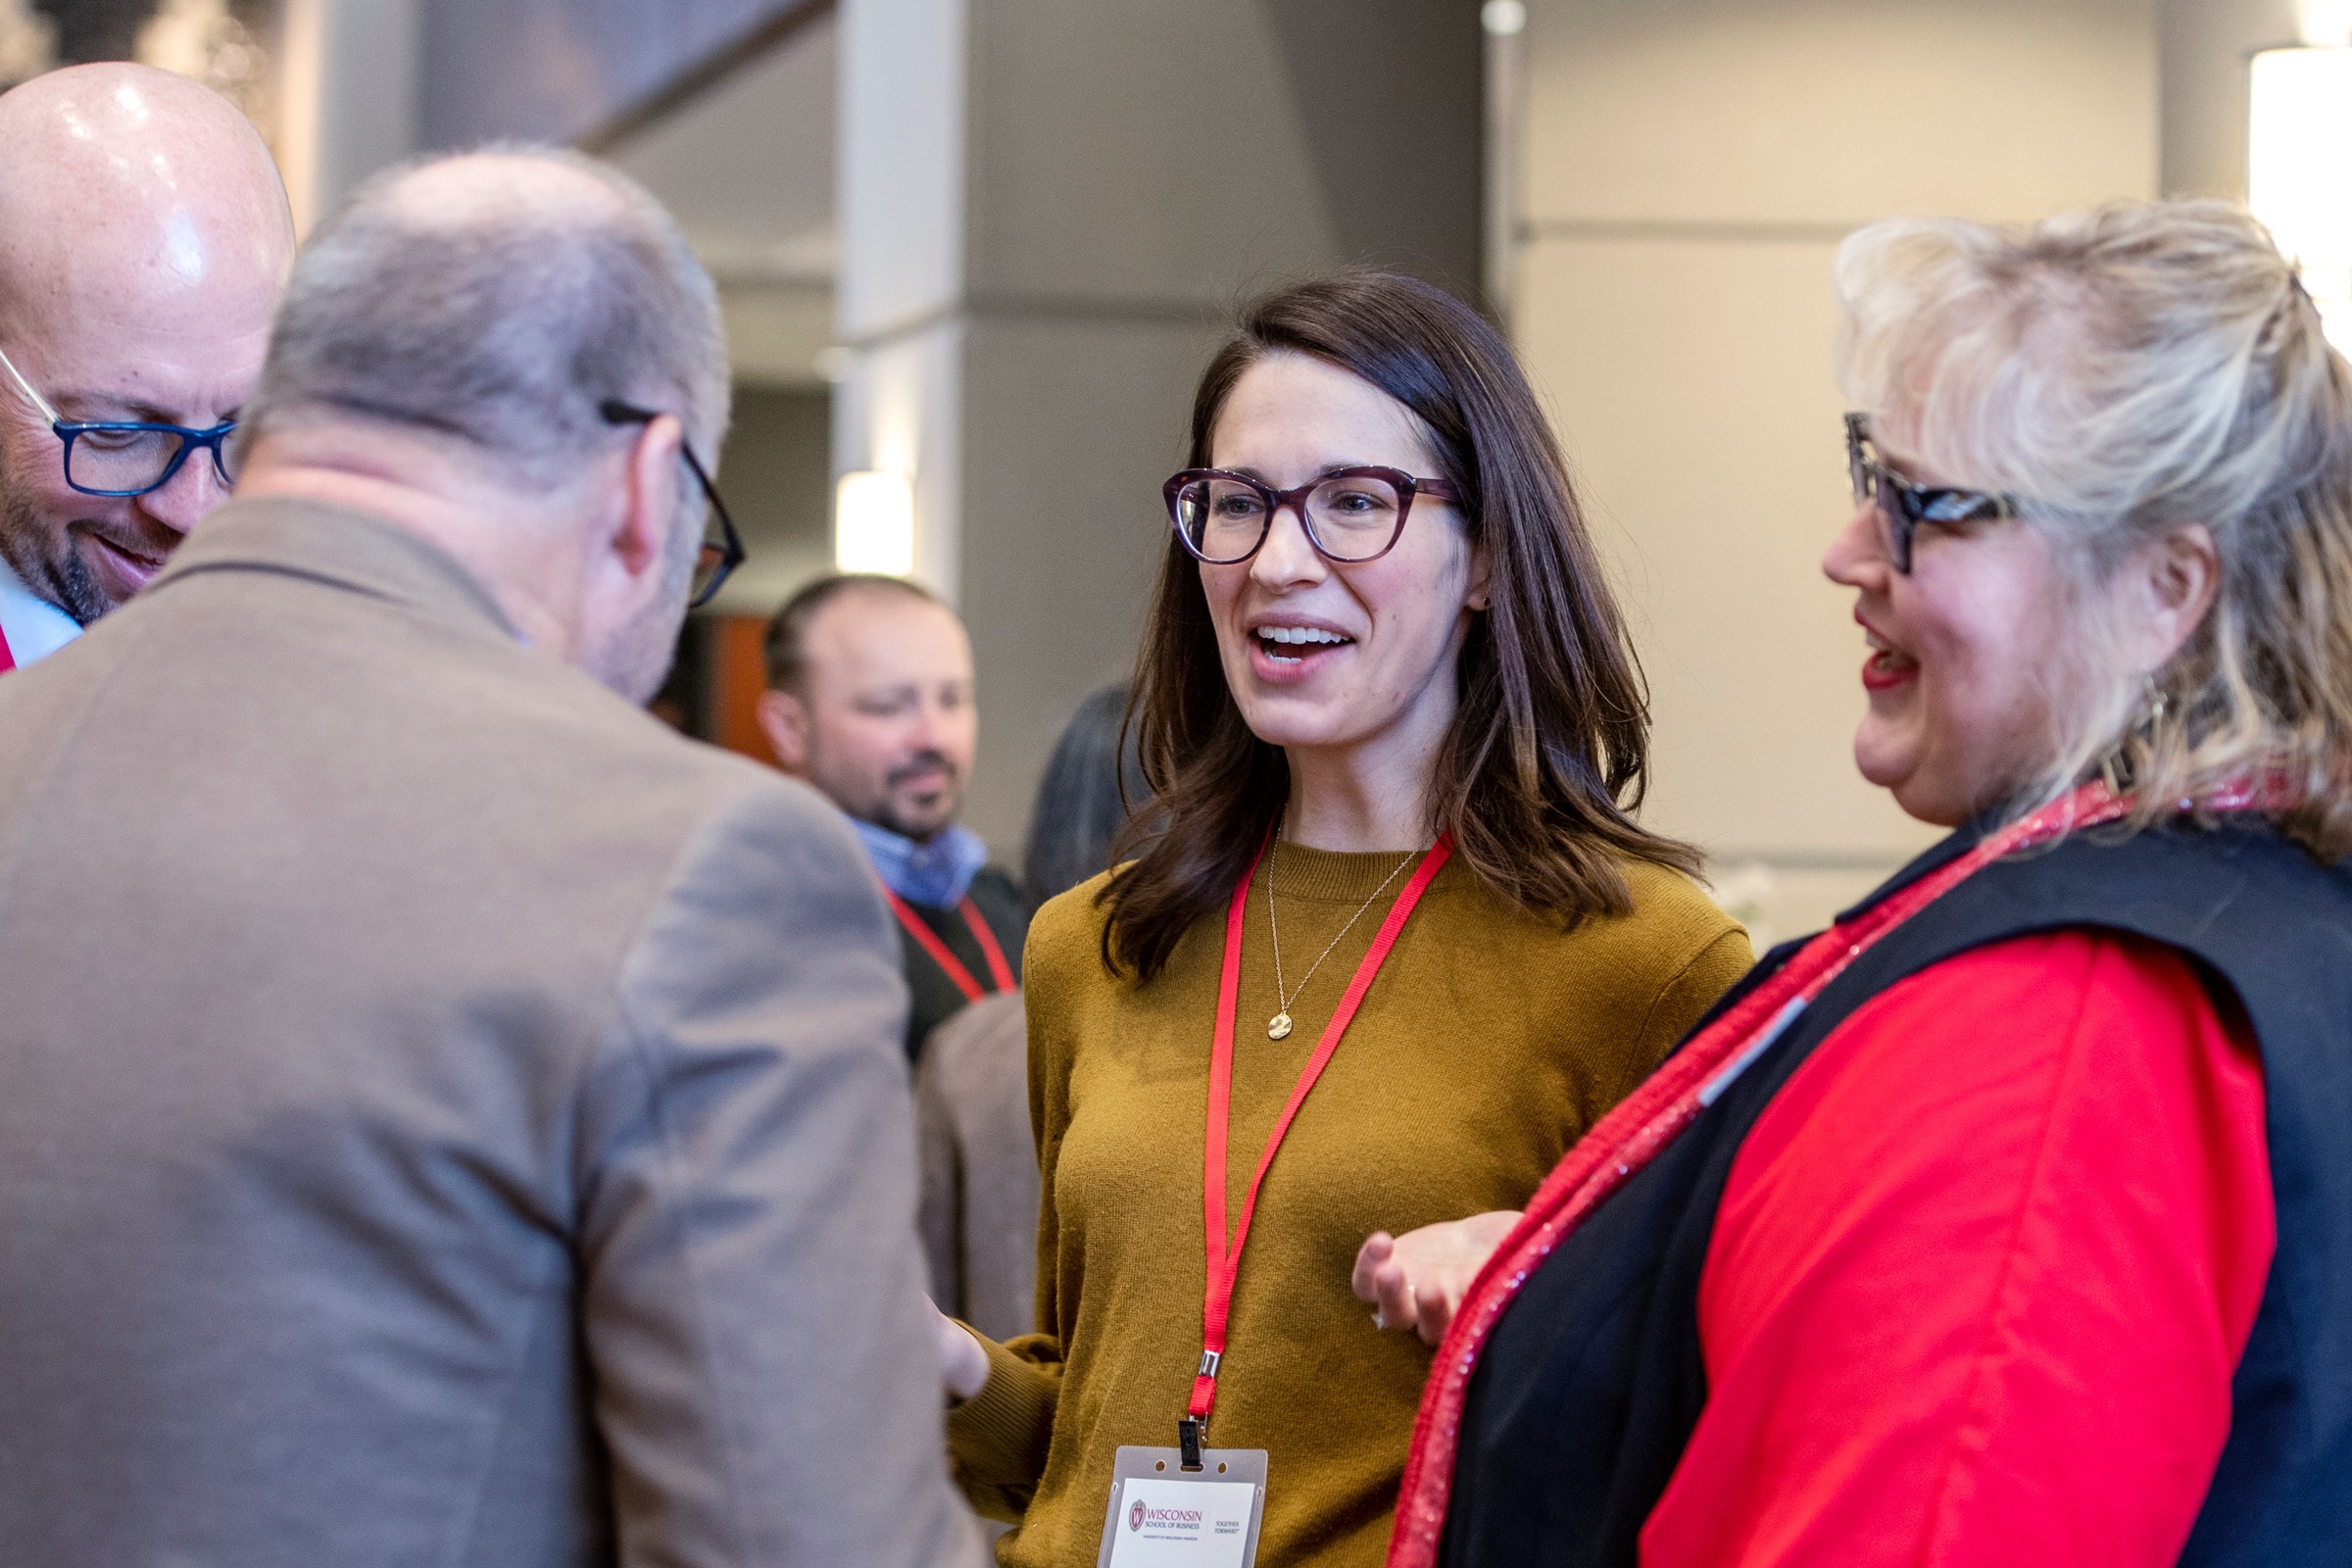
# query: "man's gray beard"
(63, 581)
(635, 661)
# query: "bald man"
(144, 242)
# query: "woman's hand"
(1416, 1281)
(963, 1363)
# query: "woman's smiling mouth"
(1295, 645)
(1282, 653)
(1888, 666)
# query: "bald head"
(144, 241)
(138, 194)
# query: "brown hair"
(788, 630)
(1545, 759)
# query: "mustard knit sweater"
(1491, 1041)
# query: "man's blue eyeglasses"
(121, 458)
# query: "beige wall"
(1688, 168)
(2206, 44)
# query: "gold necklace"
(1277, 1027)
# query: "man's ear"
(640, 536)
(784, 721)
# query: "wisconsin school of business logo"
(1134, 1517)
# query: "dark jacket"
(1607, 1328)
(937, 998)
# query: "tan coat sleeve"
(765, 1382)
(999, 1437)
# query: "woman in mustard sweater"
(1395, 944)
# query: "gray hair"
(2129, 372)
(501, 316)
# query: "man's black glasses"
(1904, 506)
(720, 556)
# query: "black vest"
(1593, 1381)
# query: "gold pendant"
(1277, 1027)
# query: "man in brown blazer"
(445, 1118)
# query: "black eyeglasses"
(1904, 506)
(123, 457)
(720, 556)
(1351, 515)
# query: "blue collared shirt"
(35, 627)
(937, 875)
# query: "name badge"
(1165, 1516)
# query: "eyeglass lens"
(711, 570)
(135, 462)
(1349, 517)
(1872, 483)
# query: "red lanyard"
(920, 929)
(8, 661)
(1225, 1265)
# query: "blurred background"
(973, 252)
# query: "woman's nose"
(1288, 557)
(1857, 556)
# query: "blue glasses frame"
(69, 431)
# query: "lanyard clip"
(1189, 1433)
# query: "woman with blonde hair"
(2009, 1220)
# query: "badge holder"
(1164, 1515)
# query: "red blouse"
(1981, 1274)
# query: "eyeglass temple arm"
(615, 412)
(38, 402)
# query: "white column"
(350, 95)
(899, 302)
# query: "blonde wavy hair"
(2127, 371)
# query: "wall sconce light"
(873, 523)
(2299, 169)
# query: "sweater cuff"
(1000, 1435)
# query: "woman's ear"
(2176, 579)
(1474, 593)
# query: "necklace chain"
(1277, 1027)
